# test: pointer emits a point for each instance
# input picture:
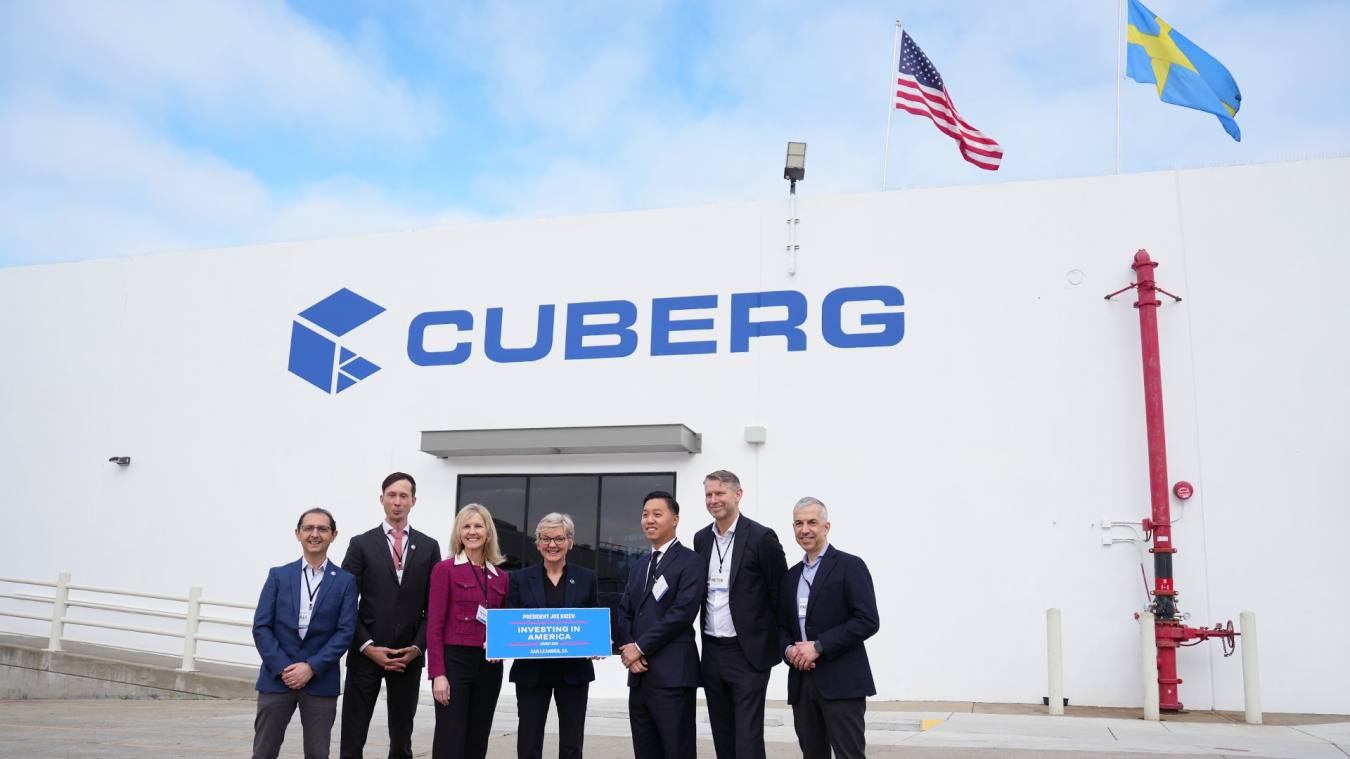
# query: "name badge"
(660, 587)
(718, 581)
(482, 614)
(304, 617)
(801, 605)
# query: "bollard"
(1251, 673)
(59, 611)
(1148, 642)
(1055, 658)
(194, 618)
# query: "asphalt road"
(111, 729)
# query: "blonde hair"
(490, 551)
(555, 520)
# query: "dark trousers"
(274, 714)
(662, 720)
(828, 723)
(358, 704)
(735, 692)
(532, 708)
(463, 727)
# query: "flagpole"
(890, 105)
(1120, 55)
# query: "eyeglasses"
(554, 541)
(319, 528)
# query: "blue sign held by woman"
(547, 633)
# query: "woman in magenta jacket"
(465, 684)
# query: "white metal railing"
(192, 616)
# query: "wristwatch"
(818, 648)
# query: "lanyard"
(483, 583)
(315, 590)
(814, 569)
(717, 543)
(400, 557)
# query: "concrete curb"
(31, 673)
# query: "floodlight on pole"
(794, 169)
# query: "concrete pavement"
(114, 729)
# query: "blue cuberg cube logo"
(315, 355)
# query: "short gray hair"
(809, 501)
(726, 478)
(553, 521)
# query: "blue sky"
(142, 127)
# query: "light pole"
(794, 170)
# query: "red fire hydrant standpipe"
(1170, 632)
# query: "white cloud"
(1040, 80)
(92, 171)
(237, 64)
(342, 207)
(566, 68)
(84, 182)
(582, 107)
(564, 187)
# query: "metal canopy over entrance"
(636, 438)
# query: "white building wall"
(969, 465)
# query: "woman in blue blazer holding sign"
(555, 584)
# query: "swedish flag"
(1185, 74)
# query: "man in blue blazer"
(828, 608)
(656, 636)
(305, 620)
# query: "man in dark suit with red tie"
(656, 636)
(392, 564)
(828, 608)
(740, 618)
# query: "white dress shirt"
(389, 539)
(310, 579)
(718, 619)
(388, 529)
(665, 551)
(463, 558)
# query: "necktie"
(651, 570)
(398, 548)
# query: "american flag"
(921, 92)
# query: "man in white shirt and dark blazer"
(740, 618)
(304, 622)
(827, 609)
(655, 635)
(392, 565)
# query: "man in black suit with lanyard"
(740, 618)
(656, 636)
(828, 608)
(392, 564)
